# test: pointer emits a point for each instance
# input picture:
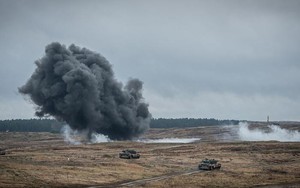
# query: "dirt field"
(45, 160)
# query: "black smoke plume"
(78, 86)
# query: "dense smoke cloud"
(78, 86)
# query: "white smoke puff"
(276, 133)
(69, 135)
(170, 140)
(99, 138)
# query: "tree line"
(189, 122)
(30, 125)
(54, 126)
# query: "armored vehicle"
(209, 164)
(129, 154)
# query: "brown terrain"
(45, 160)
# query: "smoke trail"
(69, 135)
(78, 86)
(274, 133)
(99, 138)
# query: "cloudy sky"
(203, 59)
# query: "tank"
(129, 154)
(209, 164)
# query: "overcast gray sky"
(208, 59)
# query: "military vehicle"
(209, 164)
(129, 154)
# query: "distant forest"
(30, 125)
(50, 125)
(189, 122)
